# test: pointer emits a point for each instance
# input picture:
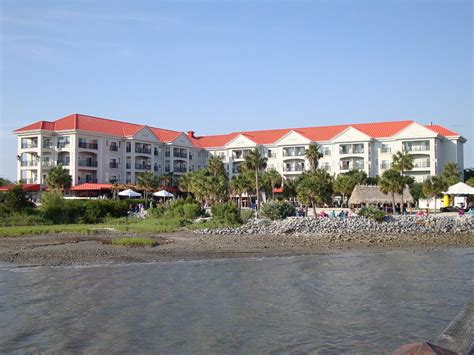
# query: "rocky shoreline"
(293, 236)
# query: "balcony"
(139, 166)
(128, 149)
(48, 145)
(180, 169)
(155, 152)
(155, 168)
(167, 154)
(326, 152)
(88, 145)
(62, 145)
(416, 148)
(114, 148)
(180, 155)
(113, 165)
(385, 150)
(421, 164)
(271, 155)
(29, 181)
(29, 163)
(351, 149)
(91, 180)
(293, 168)
(292, 153)
(63, 162)
(128, 166)
(47, 163)
(142, 150)
(29, 145)
(88, 163)
(384, 166)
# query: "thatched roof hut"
(371, 195)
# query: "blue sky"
(220, 66)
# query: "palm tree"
(391, 182)
(256, 163)
(148, 181)
(58, 178)
(402, 162)
(238, 185)
(185, 182)
(451, 173)
(313, 154)
(166, 179)
(433, 187)
(344, 184)
(314, 187)
(215, 166)
(273, 178)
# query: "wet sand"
(76, 249)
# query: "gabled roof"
(315, 134)
(443, 131)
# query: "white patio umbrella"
(460, 189)
(129, 193)
(163, 193)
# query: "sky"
(221, 66)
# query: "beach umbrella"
(129, 193)
(163, 193)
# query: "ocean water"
(357, 303)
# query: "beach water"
(344, 303)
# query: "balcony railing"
(113, 165)
(139, 166)
(48, 145)
(326, 152)
(62, 144)
(293, 153)
(271, 155)
(88, 145)
(29, 181)
(142, 150)
(63, 162)
(88, 163)
(29, 163)
(421, 164)
(29, 145)
(114, 148)
(155, 152)
(180, 155)
(167, 154)
(293, 168)
(416, 148)
(178, 169)
(128, 166)
(91, 180)
(385, 150)
(128, 149)
(47, 163)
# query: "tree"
(272, 178)
(402, 162)
(238, 185)
(391, 182)
(254, 162)
(4, 182)
(58, 178)
(314, 187)
(416, 190)
(148, 181)
(434, 186)
(185, 182)
(313, 154)
(167, 179)
(15, 199)
(451, 173)
(470, 181)
(344, 184)
(289, 188)
(215, 166)
(468, 173)
(373, 180)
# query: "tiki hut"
(371, 195)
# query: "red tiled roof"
(90, 187)
(317, 134)
(25, 187)
(441, 130)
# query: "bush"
(61, 211)
(156, 212)
(15, 199)
(372, 213)
(24, 219)
(246, 214)
(226, 213)
(186, 209)
(278, 210)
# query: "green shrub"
(15, 199)
(278, 210)
(156, 212)
(23, 219)
(372, 213)
(188, 209)
(246, 214)
(226, 213)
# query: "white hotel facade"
(97, 150)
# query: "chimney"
(191, 134)
(431, 123)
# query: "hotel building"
(101, 150)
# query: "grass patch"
(135, 242)
(14, 231)
(151, 225)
